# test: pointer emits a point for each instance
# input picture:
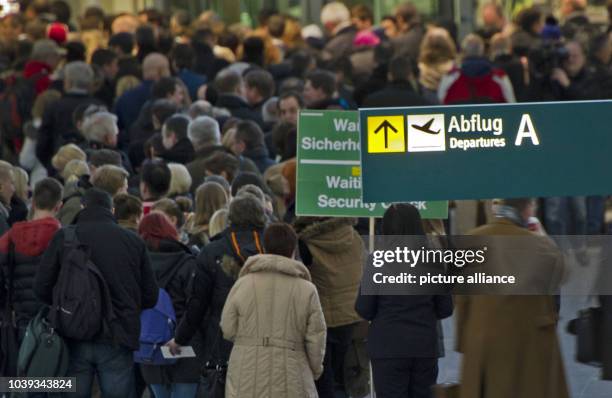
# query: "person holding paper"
(275, 320)
(172, 264)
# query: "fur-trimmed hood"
(328, 234)
(307, 227)
(275, 263)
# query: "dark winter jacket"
(193, 81)
(4, 218)
(173, 265)
(260, 157)
(218, 266)
(128, 106)
(403, 326)
(182, 152)
(239, 108)
(340, 46)
(106, 93)
(57, 128)
(398, 93)
(19, 210)
(30, 239)
(122, 258)
(407, 43)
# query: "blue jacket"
(193, 81)
(127, 107)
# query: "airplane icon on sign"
(426, 128)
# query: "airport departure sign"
(329, 172)
(486, 151)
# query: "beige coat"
(274, 317)
(509, 343)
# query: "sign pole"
(371, 249)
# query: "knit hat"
(57, 32)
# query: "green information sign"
(329, 172)
(486, 151)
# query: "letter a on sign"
(526, 130)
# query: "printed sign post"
(486, 151)
(328, 167)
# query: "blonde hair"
(218, 222)
(65, 154)
(74, 170)
(126, 83)
(21, 183)
(109, 178)
(228, 138)
(125, 23)
(437, 47)
(209, 198)
(6, 173)
(180, 180)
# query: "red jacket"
(43, 70)
(476, 82)
(31, 238)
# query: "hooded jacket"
(477, 81)
(274, 303)
(31, 239)
(41, 71)
(334, 254)
(172, 265)
(218, 267)
(72, 200)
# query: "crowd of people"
(166, 147)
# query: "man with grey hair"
(336, 19)
(101, 132)
(57, 127)
(205, 108)
(101, 128)
(78, 77)
(205, 136)
(204, 132)
(477, 80)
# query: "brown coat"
(510, 343)
(338, 254)
(274, 317)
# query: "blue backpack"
(156, 329)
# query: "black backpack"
(82, 308)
